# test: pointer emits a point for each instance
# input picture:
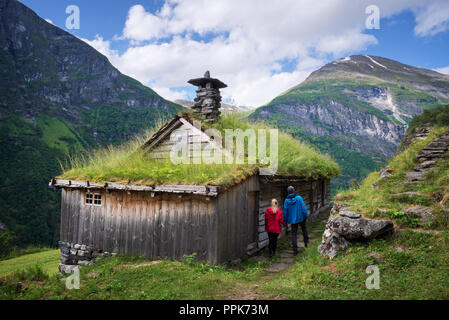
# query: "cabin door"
(253, 216)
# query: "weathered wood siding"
(163, 226)
(232, 218)
(195, 139)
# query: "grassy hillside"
(48, 260)
(389, 197)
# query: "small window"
(97, 200)
(89, 199)
(93, 199)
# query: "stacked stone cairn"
(74, 255)
(208, 98)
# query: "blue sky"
(260, 51)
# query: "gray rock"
(384, 173)
(84, 253)
(85, 263)
(350, 214)
(83, 247)
(66, 269)
(73, 251)
(77, 246)
(424, 165)
(332, 243)
(359, 229)
(415, 176)
(408, 194)
(425, 214)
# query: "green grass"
(127, 163)
(57, 135)
(382, 200)
(420, 272)
(48, 260)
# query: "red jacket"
(273, 221)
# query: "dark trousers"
(295, 234)
(272, 242)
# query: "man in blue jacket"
(295, 213)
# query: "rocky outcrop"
(345, 226)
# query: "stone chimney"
(208, 98)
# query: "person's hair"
(290, 190)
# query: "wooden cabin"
(218, 224)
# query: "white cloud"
(432, 19)
(248, 46)
(104, 47)
(49, 21)
(170, 94)
(444, 70)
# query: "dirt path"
(281, 263)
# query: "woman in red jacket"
(273, 220)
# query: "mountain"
(58, 96)
(224, 106)
(357, 109)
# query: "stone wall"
(75, 254)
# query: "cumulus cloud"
(49, 21)
(259, 49)
(433, 18)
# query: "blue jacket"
(295, 211)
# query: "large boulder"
(359, 228)
(345, 226)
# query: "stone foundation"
(75, 254)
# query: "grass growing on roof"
(127, 163)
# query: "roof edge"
(210, 191)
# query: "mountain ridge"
(357, 109)
(58, 96)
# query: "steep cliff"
(57, 95)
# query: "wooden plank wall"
(170, 226)
(162, 151)
(232, 224)
(166, 226)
